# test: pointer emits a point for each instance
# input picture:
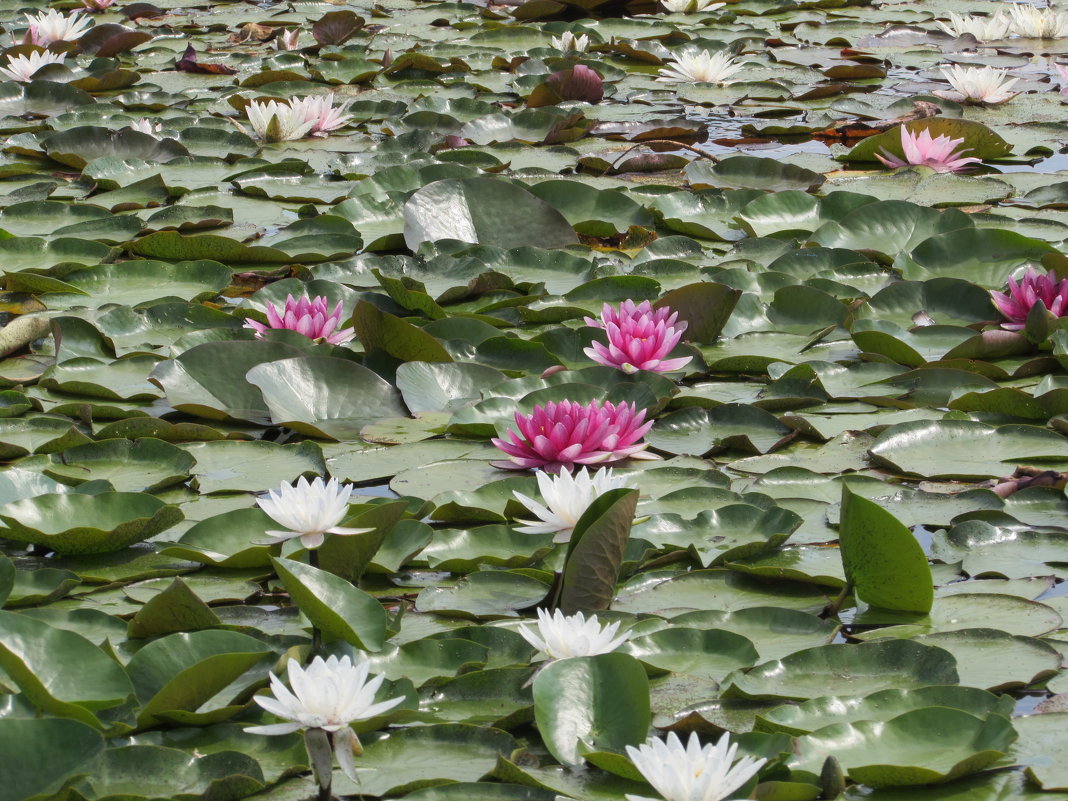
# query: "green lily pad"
(87, 524)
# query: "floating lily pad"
(87, 524)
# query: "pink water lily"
(639, 338)
(319, 109)
(921, 150)
(1016, 304)
(311, 317)
(557, 436)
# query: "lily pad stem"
(836, 604)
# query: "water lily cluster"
(1023, 20)
(278, 121)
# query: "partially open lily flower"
(1017, 303)
(146, 126)
(309, 511)
(320, 110)
(689, 772)
(277, 122)
(1037, 23)
(569, 43)
(690, 6)
(984, 29)
(287, 40)
(22, 68)
(309, 316)
(52, 26)
(557, 436)
(923, 151)
(639, 338)
(705, 67)
(978, 85)
(560, 636)
(1062, 71)
(566, 497)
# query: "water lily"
(921, 150)
(984, 29)
(639, 338)
(566, 498)
(1016, 304)
(309, 316)
(689, 772)
(97, 5)
(277, 122)
(320, 110)
(308, 510)
(1037, 23)
(1062, 71)
(329, 694)
(146, 126)
(569, 43)
(561, 636)
(705, 67)
(287, 40)
(52, 26)
(690, 6)
(979, 84)
(560, 435)
(22, 68)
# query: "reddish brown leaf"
(188, 63)
(336, 27)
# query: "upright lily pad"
(323, 396)
(577, 705)
(881, 557)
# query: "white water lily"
(146, 126)
(569, 43)
(984, 29)
(690, 6)
(1037, 23)
(277, 122)
(979, 84)
(705, 67)
(560, 636)
(287, 40)
(308, 510)
(566, 497)
(22, 68)
(689, 772)
(329, 694)
(52, 26)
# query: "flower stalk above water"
(327, 697)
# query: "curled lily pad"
(87, 524)
(924, 746)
